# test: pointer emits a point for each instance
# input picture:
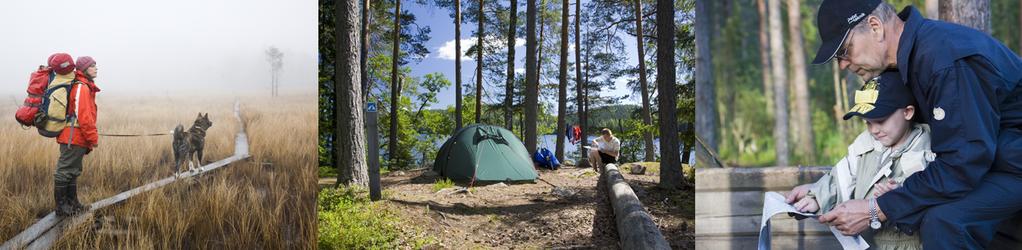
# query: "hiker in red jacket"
(78, 138)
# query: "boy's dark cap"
(881, 96)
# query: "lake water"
(570, 150)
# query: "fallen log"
(635, 226)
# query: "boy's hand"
(797, 193)
(884, 187)
(807, 205)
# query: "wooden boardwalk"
(47, 230)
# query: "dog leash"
(137, 135)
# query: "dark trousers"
(971, 222)
(69, 165)
(607, 159)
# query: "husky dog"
(190, 142)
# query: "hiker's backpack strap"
(78, 93)
(73, 117)
(45, 106)
(44, 118)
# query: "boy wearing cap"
(969, 89)
(892, 148)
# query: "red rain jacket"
(82, 103)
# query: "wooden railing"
(729, 205)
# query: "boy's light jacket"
(864, 165)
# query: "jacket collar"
(863, 144)
(917, 135)
(913, 20)
(85, 80)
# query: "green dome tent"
(484, 153)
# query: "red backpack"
(46, 104)
(36, 88)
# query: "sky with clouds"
(441, 48)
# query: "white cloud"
(493, 41)
(446, 51)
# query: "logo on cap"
(65, 64)
(855, 17)
(866, 97)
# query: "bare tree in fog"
(276, 59)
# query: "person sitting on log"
(607, 149)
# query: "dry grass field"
(265, 202)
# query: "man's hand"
(797, 193)
(850, 217)
(807, 204)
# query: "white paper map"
(773, 203)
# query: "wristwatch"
(874, 219)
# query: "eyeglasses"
(842, 54)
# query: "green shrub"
(327, 171)
(442, 184)
(690, 173)
(347, 220)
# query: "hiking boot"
(76, 206)
(60, 196)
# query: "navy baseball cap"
(835, 19)
(881, 96)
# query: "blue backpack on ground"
(544, 158)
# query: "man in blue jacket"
(967, 86)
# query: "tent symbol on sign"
(371, 107)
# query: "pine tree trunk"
(647, 119)
(706, 126)
(764, 56)
(394, 89)
(971, 13)
(780, 84)
(539, 49)
(531, 83)
(670, 164)
(838, 98)
(803, 112)
(457, 66)
(365, 49)
(585, 95)
(509, 87)
(932, 9)
(562, 88)
(349, 147)
(579, 99)
(479, 65)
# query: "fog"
(164, 47)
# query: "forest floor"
(566, 208)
